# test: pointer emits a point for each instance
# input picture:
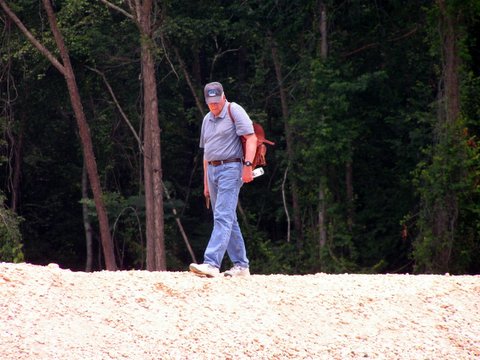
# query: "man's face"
(216, 108)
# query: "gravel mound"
(50, 313)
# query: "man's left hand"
(247, 174)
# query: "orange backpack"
(259, 159)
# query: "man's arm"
(250, 149)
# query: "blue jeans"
(224, 183)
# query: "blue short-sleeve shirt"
(220, 135)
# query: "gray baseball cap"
(213, 92)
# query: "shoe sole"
(200, 273)
(230, 275)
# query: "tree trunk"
(17, 171)
(349, 190)
(86, 221)
(322, 212)
(166, 192)
(84, 132)
(323, 30)
(149, 201)
(322, 215)
(152, 159)
(297, 220)
(445, 210)
(141, 15)
(451, 64)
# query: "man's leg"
(236, 247)
(224, 186)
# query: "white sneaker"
(204, 270)
(237, 271)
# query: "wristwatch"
(247, 163)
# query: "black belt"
(220, 162)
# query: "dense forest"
(373, 107)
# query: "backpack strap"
(242, 138)
(230, 112)
(257, 129)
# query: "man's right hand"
(247, 174)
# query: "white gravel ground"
(50, 313)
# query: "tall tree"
(323, 52)
(144, 14)
(446, 178)
(66, 70)
(445, 208)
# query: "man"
(225, 170)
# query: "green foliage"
(447, 180)
(368, 105)
(10, 236)
(269, 258)
(126, 216)
(449, 189)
